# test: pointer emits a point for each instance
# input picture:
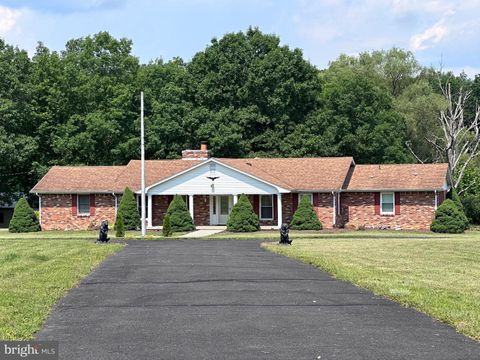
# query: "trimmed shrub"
(180, 219)
(119, 227)
(242, 217)
(129, 211)
(448, 219)
(471, 205)
(305, 217)
(24, 218)
(456, 199)
(167, 226)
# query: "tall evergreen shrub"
(242, 217)
(129, 211)
(119, 227)
(180, 219)
(24, 218)
(167, 226)
(448, 219)
(305, 217)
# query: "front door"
(220, 209)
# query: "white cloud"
(8, 19)
(429, 37)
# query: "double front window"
(387, 203)
(266, 207)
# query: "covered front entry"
(220, 207)
(211, 189)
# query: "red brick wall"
(57, 213)
(324, 209)
(201, 210)
(416, 211)
(323, 205)
(159, 208)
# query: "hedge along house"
(342, 193)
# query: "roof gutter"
(395, 190)
(63, 192)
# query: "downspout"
(39, 209)
(334, 209)
(436, 200)
(115, 196)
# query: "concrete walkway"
(187, 299)
(201, 233)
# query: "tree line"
(246, 94)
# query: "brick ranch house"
(342, 193)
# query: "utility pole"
(142, 151)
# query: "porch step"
(202, 233)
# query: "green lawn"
(79, 234)
(34, 274)
(327, 234)
(437, 274)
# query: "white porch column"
(150, 211)
(190, 206)
(235, 199)
(279, 210)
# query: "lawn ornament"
(284, 238)
(102, 236)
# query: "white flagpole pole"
(142, 151)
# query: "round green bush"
(129, 211)
(448, 219)
(305, 217)
(471, 206)
(180, 219)
(24, 218)
(167, 226)
(456, 199)
(242, 217)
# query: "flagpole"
(142, 151)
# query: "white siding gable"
(196, 182)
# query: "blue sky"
(438, 31)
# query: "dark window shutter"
(294, 202)
(275, 213)
(397, 203)
(315, 199)
(256, 204)
(377, 203)
(74, 204)
(92, 204)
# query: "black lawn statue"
(103, 235)
(284, 238)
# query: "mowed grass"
(436, 274)
(34, 274)
(81, 234)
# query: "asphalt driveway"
(191, 299)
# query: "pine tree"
(448, 219)
(180, 219)
(305, 217)
(24, 218)
(129, 211)
(242, 217)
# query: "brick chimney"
(201, 154)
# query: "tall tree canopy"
(245, 93)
